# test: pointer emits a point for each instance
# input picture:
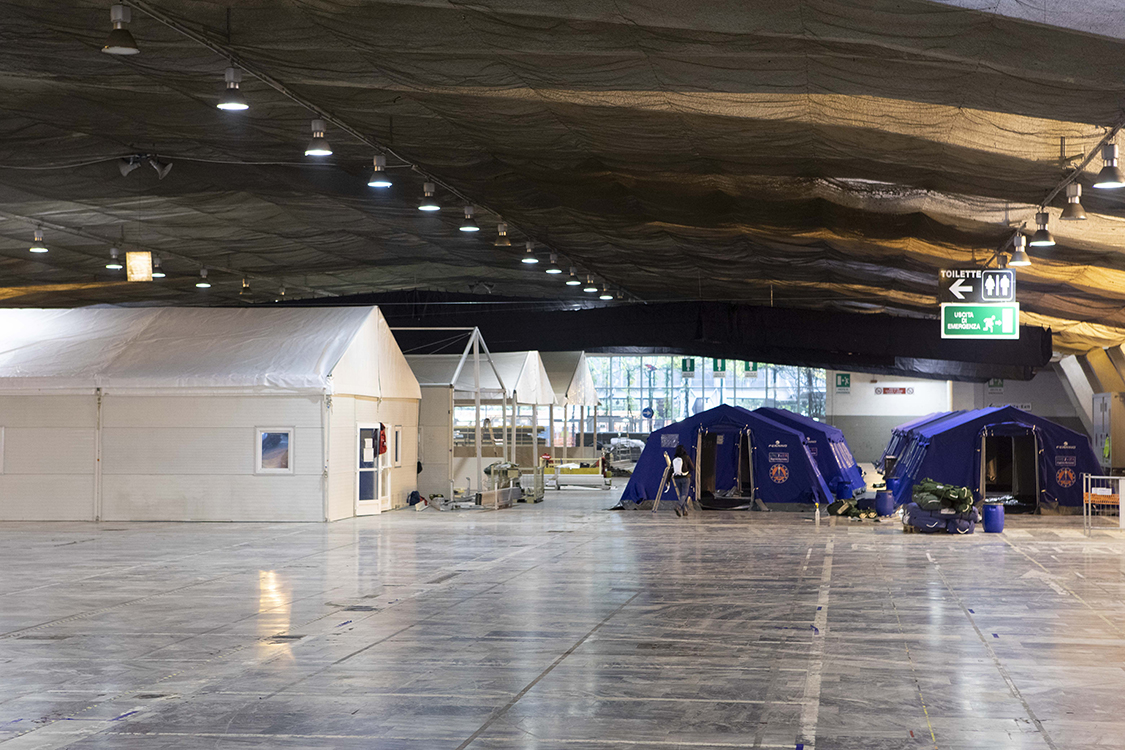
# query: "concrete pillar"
(1078, 389)
(1106, 377)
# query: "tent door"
(705, 462)
(370, 477)
(1010, 469)
(745, 464)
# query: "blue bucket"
(993, 518)
(884, 503)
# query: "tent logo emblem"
(1066, 477)
(779, 473)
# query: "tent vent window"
(273, 450)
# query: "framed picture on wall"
(273, 450)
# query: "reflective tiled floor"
(561, 625)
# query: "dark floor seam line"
(515, 699)
(996, 661)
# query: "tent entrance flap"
(723, 475)
(745, 464)
(1010, 468)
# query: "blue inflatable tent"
(738, 455)
(901, 435)
(996, 451)
(828, 446)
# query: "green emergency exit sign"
(965, 321)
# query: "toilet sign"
(977, 285)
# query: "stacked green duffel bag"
(940, 507)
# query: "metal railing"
(1101, 501)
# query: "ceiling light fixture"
(529, 254)
(573, 280)
(232, 99)
(114, 260)
(553, 268)
(1042, 236)
(129, 163)
(428, 203)
(162, 170)
(157, 271)
(379, 178)
(468, 224)
(245, 292)
(502, 236)
(590, 287)
(1110, 178)
(120, 41)
(38, 245)
(318, 146)
(1073, 210)
(203, 283)
(605, 294)
(1019, 255)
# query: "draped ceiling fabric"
(827, 153)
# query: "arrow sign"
(959, 288)
(976, 285)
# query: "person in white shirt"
(682, 468)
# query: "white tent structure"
(575, 392)
(203, 414)
(478, 378)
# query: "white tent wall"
(47, 463)
(191, 458)
(161, 420)
(575, 395)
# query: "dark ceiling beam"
(873, 343)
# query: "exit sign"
(971, 321)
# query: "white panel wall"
(49, 458)
(343, 453)
(192, 459)
(867, 412)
